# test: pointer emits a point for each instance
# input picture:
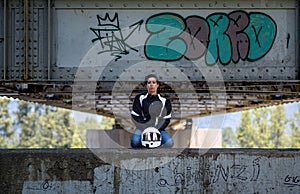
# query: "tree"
(77, 140)
(56, 128)
(244, 130)
(279, 137)
(295, 131)
(107, 123)
(261, 131)
(229, 138)
(88, 124)
(6, 131)
(263, 128)
(26, 121)
(43, 126)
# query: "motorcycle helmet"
(151, 137)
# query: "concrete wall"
(120, 138)
(150, 171)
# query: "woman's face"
(152, 85)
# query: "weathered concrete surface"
(150, 171)
(120, 138)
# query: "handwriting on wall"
(215, 172)
(292, 181)
(219, 37)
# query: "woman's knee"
(167, 140)
(136, 139)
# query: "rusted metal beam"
(25, 77)
(5, 40)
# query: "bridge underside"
(189, 99)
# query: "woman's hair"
(151, 76)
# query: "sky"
(233, 119)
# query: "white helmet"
(151, 137)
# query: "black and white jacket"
(151, 111)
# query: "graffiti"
(292, 181)
(111, 37)
(220, 37)
(288, 40)
(48, 186)
(215, 172)
(184, 179)
(162, 44)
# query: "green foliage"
(264, 128)
(89, 123)
(279, 121)
(107, 123)
(244, 132)
(229, 138)
(295, 134)
(44, 126)
(37, 126)
(6, 131)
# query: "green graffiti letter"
(219, 46)
(163, 42)
(261, 32)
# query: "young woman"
(150, 109)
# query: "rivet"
(210, 5)
(153, 5)
(224, 5)
(181, 5)
(124, 5)
(167, 5)
(252, 5)
(195, 5)
(96, 5)
(82, 5)
(238, 5)
(110, 5)
(68, 5)
(139, 5)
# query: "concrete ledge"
(120, 138)
(150, 171)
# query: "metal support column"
(25, 39)
(5, 40)
(298, 37)
(49, 40)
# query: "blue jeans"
(136, 139)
